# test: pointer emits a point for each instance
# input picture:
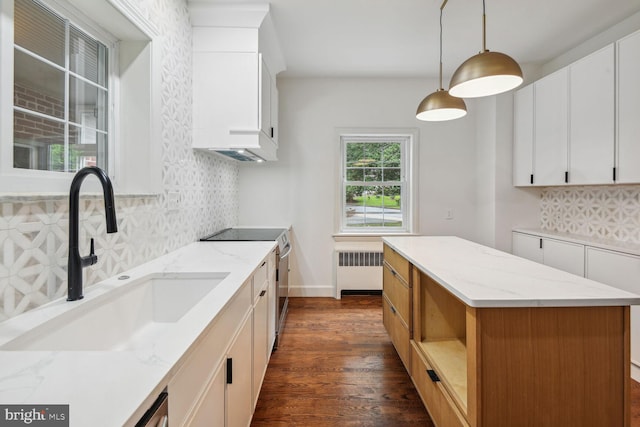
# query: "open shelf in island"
(449, 359)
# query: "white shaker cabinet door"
(628, 148)
(211, 412)
(563, 256)
(621, 271)
(551, 129)
(260, 340)
(239, 402)
(591, 118)
(527, 246)
(523, 137)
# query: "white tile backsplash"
(609, 212)
(34, 232)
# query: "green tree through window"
(374, 183)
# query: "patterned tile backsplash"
(608, 212)
(34, 231)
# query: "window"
(79, 85)
(376, 180)
(60, 92)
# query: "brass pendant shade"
(440, 106)
(487, 73)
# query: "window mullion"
(66, 150)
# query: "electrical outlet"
(173, 199)
(449, 214)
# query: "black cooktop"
(246, 234)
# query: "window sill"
(40, 197)
(367, 236)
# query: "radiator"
(358, 269)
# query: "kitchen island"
(491, 339)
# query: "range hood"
(240, 155)
(236, 58)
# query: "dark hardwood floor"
(336, 367)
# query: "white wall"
(610, 35)
(301, 188)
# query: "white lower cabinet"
(527, 246)
(260, 340)
(618, 269)
(621, 271)
(218, 384)
(239, 407)
(554, 253)
(211, 411)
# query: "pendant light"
(487, 73)
(439, 105)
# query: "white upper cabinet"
(591, 118)
(268, 103)
(551, 129)
(236, 57)
(523, 136)
(628, 146)
(579, 125)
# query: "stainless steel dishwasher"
(158, 414)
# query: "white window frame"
(408, 138)
(107, 39)
(134, 163)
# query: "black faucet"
(76, 262)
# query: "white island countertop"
(484, 277)
(114, 388)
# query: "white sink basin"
(131, 316)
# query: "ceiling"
(399, 38)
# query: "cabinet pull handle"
(540, 243)
(614, 174)
(566, 177)
(229, 370)
(393, 309)
(532, 178)
(272, 132)
(262, 265)
(432, 374)
(262, 293)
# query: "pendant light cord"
(441, 88)
(484, 28)
(444, 3)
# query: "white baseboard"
(316, 291)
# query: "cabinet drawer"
(259, 277)
(398, 293)
(440, 406)
(398, 332)
(397, 262)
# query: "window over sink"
(78, 87)
(60, 92)
(376, 189)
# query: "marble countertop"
(484, 277)
(597, 242)
(114, 388)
